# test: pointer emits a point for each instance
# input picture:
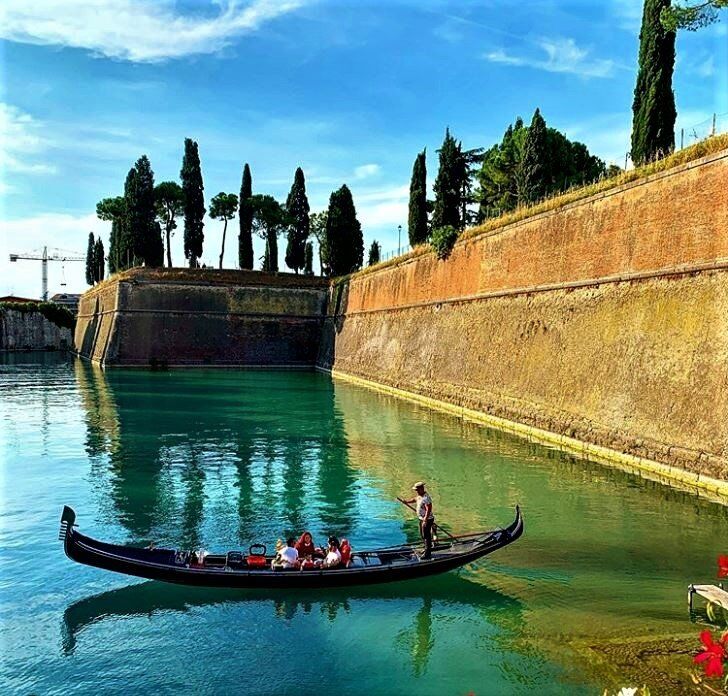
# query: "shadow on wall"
(85, 346)
(333, 323)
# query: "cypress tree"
(447, 185)
(308, 259)
(318, 229)
(375, 252)
(344, 239)
(417, 219)
(194, 203)
(297, 209)
(653, 109)
(90, 259)
(245, 219)
(98, 260)
(532, 168)
(142, 234)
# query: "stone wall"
(605, 320)
(31, 331)
(202, 317)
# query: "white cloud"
(382, 207)
(367, 170)
(135, 30)
(21, 142)
(561, 56)
(628, 15)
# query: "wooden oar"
(437, 526)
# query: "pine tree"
(447, 185)
(223, 207)
(297, 209)
(375, 252)
(417, 218)
(318, 229)
(98, 260)
(344, 238)
(113, 210)
(308, 259)
(245, 219)
(653, 109)
(90, 259)
(269, 219)
(532, 168)
(168, 200)
(194, 203)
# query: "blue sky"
(350, 91)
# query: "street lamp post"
(399, 239)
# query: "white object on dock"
(711, 593)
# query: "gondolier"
(426, 516)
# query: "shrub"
(443, 240)
(55, 313)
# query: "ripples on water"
(221, 458)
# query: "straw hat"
(280, 545)
(419, 484)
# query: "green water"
(218, 459)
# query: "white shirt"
(289, 556)
(422, 502)
(332, 558)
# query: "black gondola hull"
(396, 565)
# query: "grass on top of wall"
(211, 276)
(702, 149)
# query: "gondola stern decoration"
(68, 519)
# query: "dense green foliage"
(308, 259)
(524, 167)
(417, 217)
(194, 203)
(223, 207)
(318, 230)
(245, 220)
(269, 220)
(653, 109)
(55, 313)
(531, 175)
(169, 205)
(443, 240)
(299, 225)
(344, 238)
(98, 269)
(448, 185)
(691, 16)
(375, 253)
(90, 259)
(141, 239)
(113, 210)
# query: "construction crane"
(55, 255)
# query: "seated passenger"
(345, 549)
(277, 562)
(333, 557)
(289, 555)
(306, 549)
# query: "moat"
(222, 458)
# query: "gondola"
(253, 570)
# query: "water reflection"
(436, 601)
(235, 451)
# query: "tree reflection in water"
(180, 447)
(441, 597)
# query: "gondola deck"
(377, 566)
